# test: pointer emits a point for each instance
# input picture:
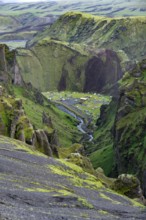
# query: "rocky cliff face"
(83, 52)
(3, 64)
(130, 121)
(118, 34)
(51, 65)
(122, 123)
(15, 124)
(102, 72)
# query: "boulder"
(128, 185)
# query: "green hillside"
(78, 51)
(119, 34)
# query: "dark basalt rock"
(47, 120)
(102, 72)
(35, 186)
(129, 128)
(129, 185)
(40, 140)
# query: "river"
(82, 127)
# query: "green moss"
(49, 60)
(102, 157)
(103, 212)
(101, 152)
(65, 152)
(72, 171)
(66, 129)
(102, 195)
(37, 190)
(85, 203)
(28, 149)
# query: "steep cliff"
(118, 34)
(27, 116)
(83, 52)
(129, 129)
(52, 65)
(120, 134)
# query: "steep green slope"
(34, 185)
(55, 65)
(120, 135)
(52, 65)
(101, 152)
(129, 129)
(26, 115)
(35, 16)
(83, 52)
(64, 125)
(124, 34)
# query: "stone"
(128, 185)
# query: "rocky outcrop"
(41, 141)
(15, 124)
(103, 72)
(70, 56)
(17, 78)
(129, 129)
(47, 120)
(118, 34)
(3, 65)
(82, 161)
(54, 65)
(9, 70)
(129, 185)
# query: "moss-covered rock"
(82, 161)
(124, 34)
(128, 185)
(129, 130)
(54, 65)
(34, 185)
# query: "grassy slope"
(132, 122)
(100, 32)
(90, 106)
(65, 125)
(75, 39)
(48, 60)
(14, 15)
(102, 152)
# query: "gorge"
(73, 112)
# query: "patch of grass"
(66, 129)
(102, 157)
(73, 171)
(85, 202)
(88, 103)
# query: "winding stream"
(81, 126)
